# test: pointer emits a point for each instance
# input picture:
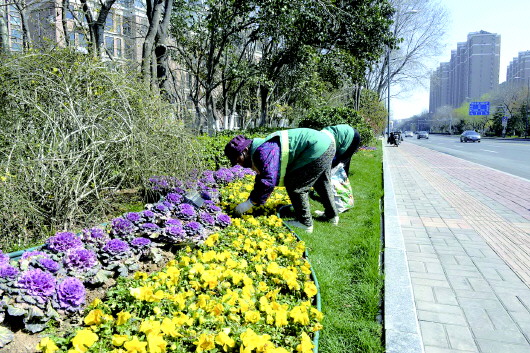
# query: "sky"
(508, 18)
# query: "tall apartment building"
(472, 71)
(124, 29)
(518, 70)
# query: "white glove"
(244, 207)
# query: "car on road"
(423, 135)
(470, 135)
(409, 134)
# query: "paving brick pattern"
(466, 231)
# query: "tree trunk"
(264, 101)
(64, 8)
(3, 31)
(162, 55)
(26, 35)
(154, 14)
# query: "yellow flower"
(299, 315)
(95, 302)
(252, 316)
(118, 340)
(150, 327)
(306, 346)
(123, 317)
(135, 346)
(169, 327)
(94, 317)
(212, 239)
(253, 341)
(205, 343)
(140, 275)
(84, 339)
(310, 289)
(156, 343)
(281, 318)
(224, 340)
(47, 345)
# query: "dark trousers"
(316, 174)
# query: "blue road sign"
(479, 108)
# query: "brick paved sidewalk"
(463, 234)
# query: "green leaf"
(34, 328)
(102, 276)
(15, 311)
(6, 336)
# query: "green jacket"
(298, 147)
(343, 134)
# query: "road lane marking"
(489, 151)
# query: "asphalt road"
(510, 156)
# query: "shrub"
(73, 131)
(319, 118)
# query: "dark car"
(423, 135)
(470, 135)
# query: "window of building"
(81, 40)
(69, 15)
(139, 4)
(118, 47)
(71, 37)
(109, 23)
(126, 29)
(109, 44)
(118, 27)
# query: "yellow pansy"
(135, 346)
(156, 343)
(212, 239)
(150, 327)
(205, 343)
(84, 339)
(299, 315)
(169, 328)
(123, 317)
(224, 340)
(252, 316)
(95, 302)
(119, 340)
(281, 318)
(306, 346)
(47, 345)
(310, 289)
(94, 317)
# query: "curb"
(401, 328)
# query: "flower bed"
(244, 286)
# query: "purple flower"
(223, 220)
(122, 226)
(63, 241)
(49, 264)
(160, 207)
(206, 219)
(147, 214)
(149, 228)
(140, 242)
(80, 259)
(208, 177)
(175, 231)
(224, 176)
(94, 235)
(240, 172)
(193, 228)
(116, 247)
(133, 217)
(179, 190)
(8, 271)
(173, 222)
(211, 207)
(33, 253)
(174, 198)
(71, 293)
(4, 258)
(37, 282)
(186, 211)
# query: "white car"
(409, 134)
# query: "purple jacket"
(267, 163)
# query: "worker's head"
(237, 151)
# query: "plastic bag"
(342, 190)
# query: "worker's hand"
(244, 207)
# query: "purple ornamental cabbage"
(208, 177)
(174, 234)
(122, 226)
(211, 207)
(48, 264)
(174, 198)
(193, 228)
(33, 253)
(37, 282)
(160, 208)
(240, 172)
(223, 220)
(94, 235)
(4, 258)
(63, 241)
(206, 219)
(224, 176)
(134, 217)
(80, 259)
(186, 211)
(8, 271)
(116, 247)
(71, 293)
(148, 215)
(140, 242)
(173, 222)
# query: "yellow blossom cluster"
(239, 191)
(247, 289)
